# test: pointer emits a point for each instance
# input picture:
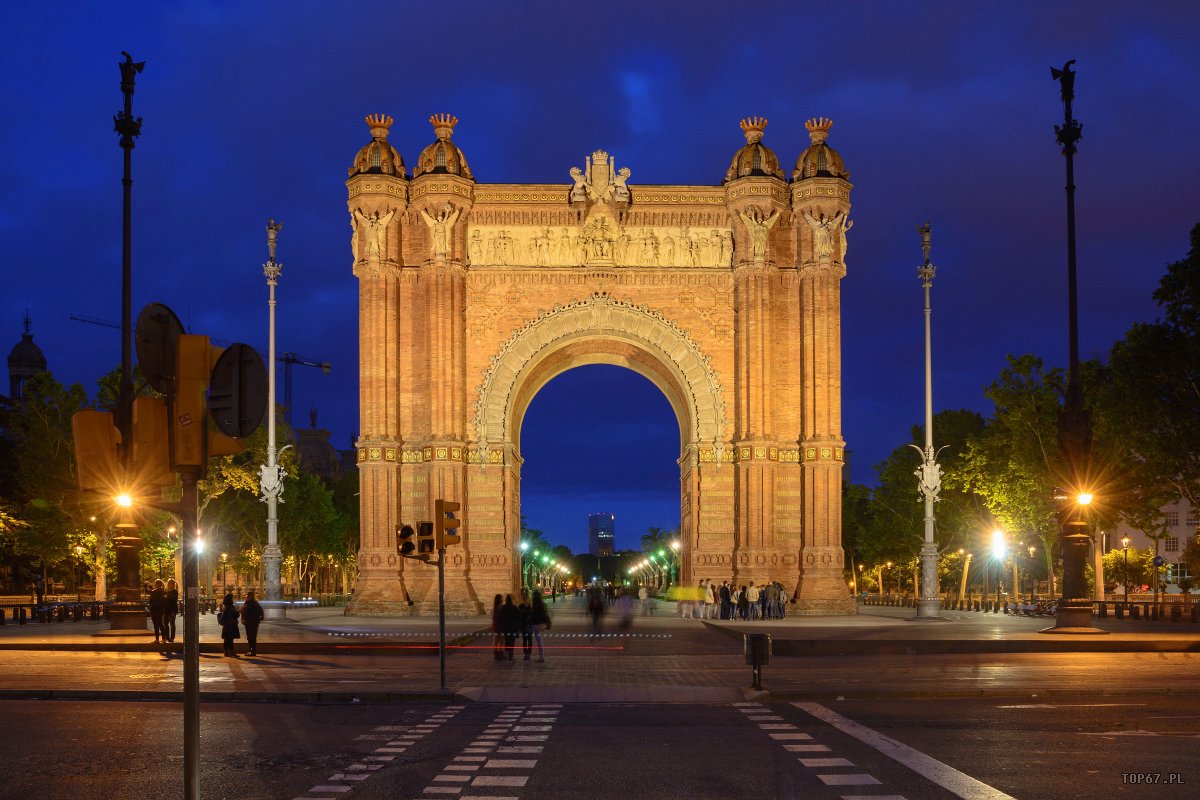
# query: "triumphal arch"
(473, 296)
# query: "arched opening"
(599, 438)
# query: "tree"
(1014, 462)
(45, 494)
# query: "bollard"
(1176, 612)
(1103, 610)
(1133, 611)
(1120, 610)
(95, 611)
(1, 616)
(22, 610)
(62, 613)
(757, 648)
(1195, 613)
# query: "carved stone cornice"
(370, 269)
(389, 186)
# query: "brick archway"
(473, 296)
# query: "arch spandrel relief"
(600, 315)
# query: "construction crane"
(287, 361)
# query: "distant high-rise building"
(600, 533)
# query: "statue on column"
(376, 225)
(822, 230)
(439, 228)
(758, 227)
(846, 224)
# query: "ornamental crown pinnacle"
(379, 125)
(818, 129)
(753, 128)
(443, 125)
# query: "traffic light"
(446, 524)
(405, 541)
(97, 461)
(193, 370)
(193, 365)
(426, 545)
(149, 455)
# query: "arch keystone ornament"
(475, 296)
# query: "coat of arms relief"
(602, 192)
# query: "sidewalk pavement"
(876, 630)
(320, 655)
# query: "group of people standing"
(251, 615)
(732, 602)
(164, 607)
(527, 620)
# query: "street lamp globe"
(999, 544)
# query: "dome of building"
(755, 158)
(819, 160)
(24, 361)
(443, 156)
(378, 157)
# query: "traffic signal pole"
(441, 564)
(189, 512)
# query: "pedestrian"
(526, 625)
(252, 614)
(158, 603)
(709, 600)
(497, 634)
(510, 624)
(596, 610)
(227, 618)
(752, 600)
(743, 605)
(726, 601)
(539, 620)
(644, 599)
(767, 600)
(170, 609)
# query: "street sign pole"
(442, 615)
(189, 511)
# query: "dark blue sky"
(943, 111)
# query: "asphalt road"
(919, 749)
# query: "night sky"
(943, 112)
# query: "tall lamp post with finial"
(271, 473)
(1074, 612)
(929, 474)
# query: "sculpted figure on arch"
(822, 230)
(759, 227)
(439, 228)
(376, 225)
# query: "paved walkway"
(320, 654)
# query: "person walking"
(227, 617)
(752, 600)
(158, 602)
(170, 610)
(539, 620)
(526, 625)
(709, 600)
(510, 624)
(497, 634)
(596, 610)
(252, 615)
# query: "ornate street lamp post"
(271, 473)
(1125, 572)
(929, 474)
(1074, 613)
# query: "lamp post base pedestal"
(1074, 620)
(929, 611)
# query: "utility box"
(758, 648)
